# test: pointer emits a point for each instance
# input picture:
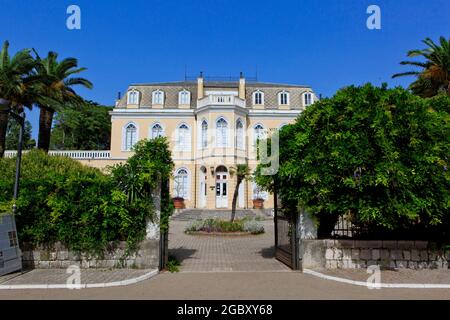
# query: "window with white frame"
(130, 136)
(184, 97)
(133, 97)
(183, 138)
(239, 134)
(258, 97)
(221, 133)
(157, 131)
(283, 98)
(259, 133)
(181, 183)
(204, 135)
(158, 97)
(308, 99)
(259, 193)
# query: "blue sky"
(324, 44)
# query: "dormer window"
(283, 98)
(258, 97)
(158, 97)
(184, 97)
(308, 99)
(133, 97)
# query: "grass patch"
(213, 225)
(173, 265)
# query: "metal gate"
(10, 254)
(286, 236)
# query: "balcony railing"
(74, 154)
(221, 100)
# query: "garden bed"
(220, 227)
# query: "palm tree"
(17, 85)
(57, 83)
(242, 172)
(435, 74)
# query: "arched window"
(222, 133)
(283, 98)
(158, 97)
(204, 135)
(181, 184)
(130, 136)
(259, 132)
(258, 97)
(157, 131)
(133, 97)
(308, 99)
(239, 134)
(184, 97)
(183, 138)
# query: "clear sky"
(324, 44)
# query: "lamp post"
(5, 106)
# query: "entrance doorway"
(221, 187)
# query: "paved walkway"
(203, 253)
(231, 285)
(59, 276)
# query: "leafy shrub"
(81, 207)
(378, 155)
(217, 225)
(173, 265)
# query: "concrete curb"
(380, 285)
(127, 282)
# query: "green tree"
(17, 85)
(57, 82)
(85, 126)
(242, 172)
(379, 155)
(12, 135)
(435, 74)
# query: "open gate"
(286, 236)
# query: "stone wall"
(57, 256)
(353, 254)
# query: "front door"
(221, 190)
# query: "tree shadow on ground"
(268, 253)
(182, 253)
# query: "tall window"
(204, 136)
(158, 97)
(184, 97)
(283, 98)
(221, 133)
(258, 97)
(133, 97)
(183, 138)
(307, 99)
(259, 133)
(239, 134)
(130, 136)
(157, 131)
(181, 184)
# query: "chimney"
(241, 86)
(200, 86)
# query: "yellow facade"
(211, 127)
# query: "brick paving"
(204, 253)
(59, 276)
(438, 276)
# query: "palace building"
(211, 127)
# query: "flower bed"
(218, 226)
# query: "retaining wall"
(353, 254)
(58, 256)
